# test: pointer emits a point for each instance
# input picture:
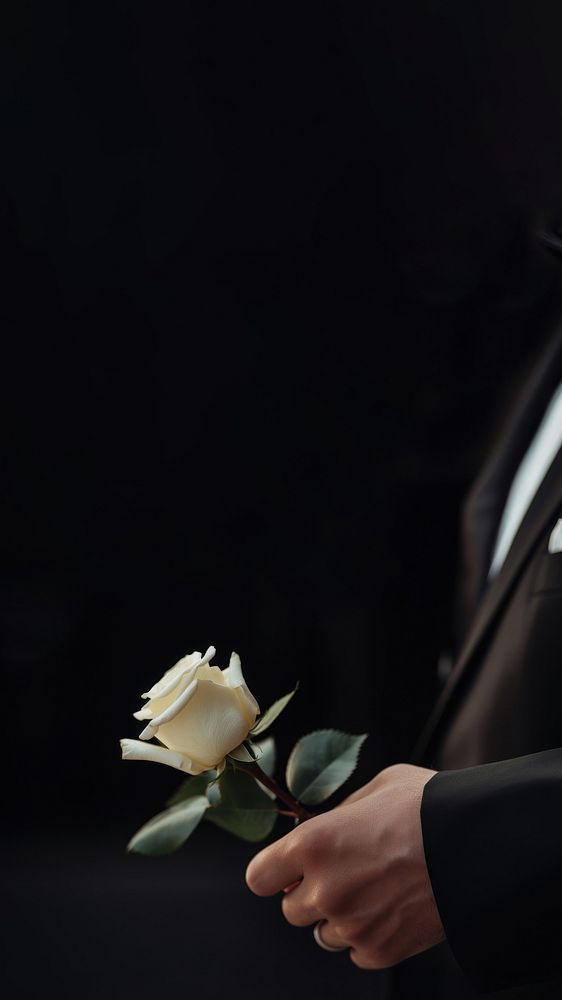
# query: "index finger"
(276, 867)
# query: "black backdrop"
(270, 282)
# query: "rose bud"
(198, 711)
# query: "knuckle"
(321, 899)
(305, 849)
(382, 957)
(291, 912)
(298, 912)
(374, 958)
(393, 955)
(339, 903)
(363, 961)
(349, 930)
(292, 842)
(329, 903)
(314, 840)
(376, 948)
(297, 844)
(291, 850)
(385, 956)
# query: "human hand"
(361, 869)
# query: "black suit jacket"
(492, 817)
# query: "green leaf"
(245, 808)
(241, 790)
(242, 753)
(192, 787)
(168, 830)
(320, 762)
(249, 824)
(266, 755)
(268, 717)
(213, 793)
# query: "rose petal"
(143, 713)
(172, 677)
(208, 726)
(135, 750)
(233, 673)
(235, 679)
(157, 705)
(248, 704)
(170, 712)
(208, 673)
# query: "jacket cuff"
(493, 844)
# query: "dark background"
(270, 281)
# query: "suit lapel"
(483, 507)
(547, 501)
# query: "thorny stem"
(256, 772)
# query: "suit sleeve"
(493, 844)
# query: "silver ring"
(318, 939)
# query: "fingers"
(293, 885)
(328, 933)
(300, 907)
(277, 867)
(365, 961)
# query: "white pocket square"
(555, 540)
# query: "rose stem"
(256, 772)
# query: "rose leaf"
(192, 787)
(245, 809)
(249, 824)
(269, 717)
(266, 754)
(320, 762)
(170, 829)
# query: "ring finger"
(328, 935)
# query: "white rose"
(199, 712)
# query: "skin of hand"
(361, 868)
